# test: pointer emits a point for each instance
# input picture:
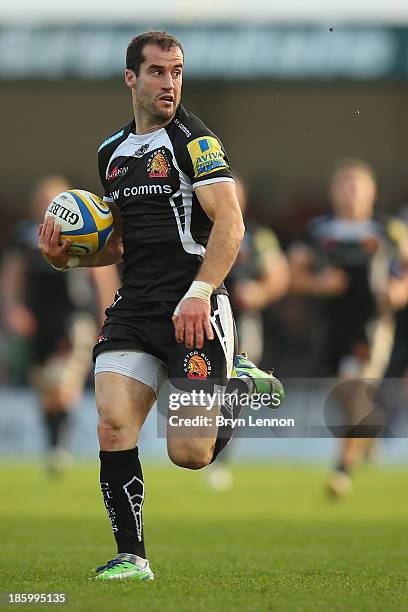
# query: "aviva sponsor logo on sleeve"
(206, 155)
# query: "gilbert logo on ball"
(85, 219)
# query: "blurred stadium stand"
(297, 96)
(184, 11)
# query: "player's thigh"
(210, 366)
(191, 436)
(126, 386)
(192, 429)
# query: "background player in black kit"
(393, 389)
(342, 261)
(174, 200)
(55, 315)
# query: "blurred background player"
(259, 277)
(396, 297)
(342, 262)
(56, 316)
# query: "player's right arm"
(329, 281)
(58, 254)
(273, 279)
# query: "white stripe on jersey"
(210, 181)
(225, 331)
(186, 192)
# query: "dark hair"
(134, 53)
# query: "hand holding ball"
(84, 218)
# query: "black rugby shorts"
(147, 326)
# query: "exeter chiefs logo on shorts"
(158, 165)
(197, 365)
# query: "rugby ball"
(85, 219)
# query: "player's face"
(158, 86)
(353, 193)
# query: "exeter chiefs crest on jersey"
(158, 165)
(151, 177)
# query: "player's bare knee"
(189, 464)
(107, 436)
(112, 429)
(190, 460)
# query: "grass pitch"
(273, 542)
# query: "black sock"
(229, 410)
(122, 488)
(57, 424)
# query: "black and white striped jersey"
(151, 178)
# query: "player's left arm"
(219, 201)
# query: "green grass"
(274, 542)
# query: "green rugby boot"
(120, 568)
(257, 380)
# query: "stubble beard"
(154, 115)
(151, 114)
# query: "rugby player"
(259, 277)
(57, 316)
(396, 294)
(178, 227)
(339, 262)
